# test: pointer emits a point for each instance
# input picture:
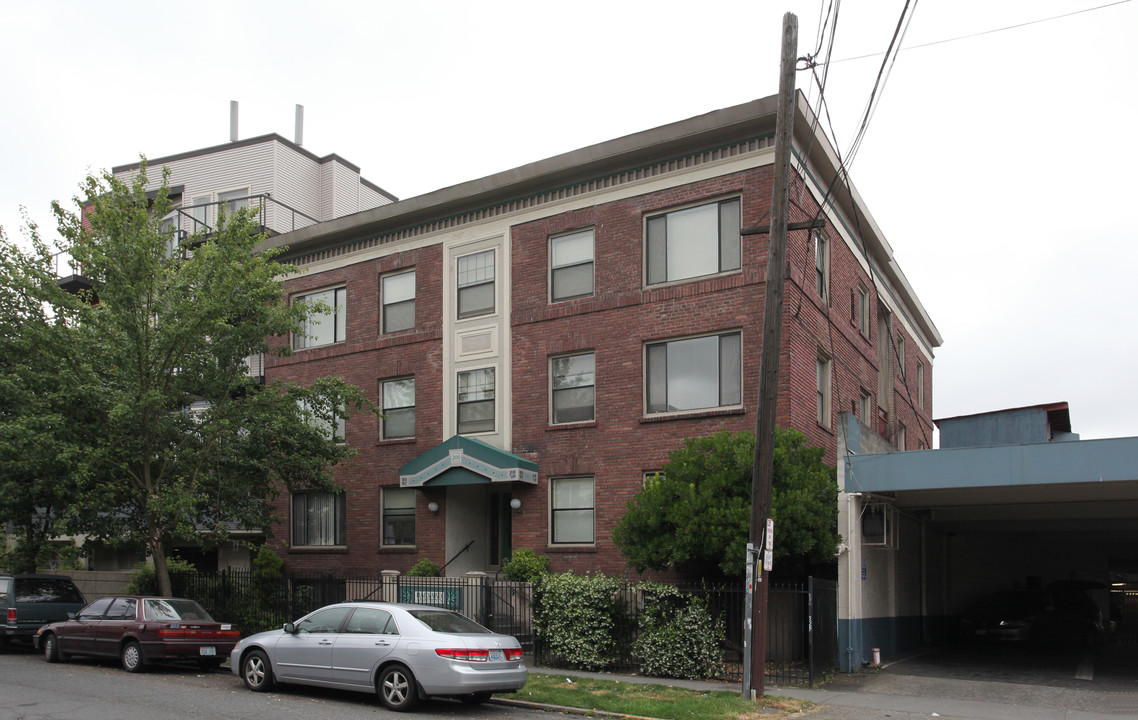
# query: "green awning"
(466, 461)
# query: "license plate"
(497, 655)
(207, 650)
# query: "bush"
(526, 566)
(424, 568)
(144, 581)
(576, 618)
(678, 636)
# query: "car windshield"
(172, 609)
(445, 621)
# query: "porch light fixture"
(433, 507)
(516, 504)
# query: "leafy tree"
(695, 516)
(45, 413)
(189, 444)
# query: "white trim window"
(476, 284)
(323, 328)
(476, 401)
(861, 310)
(821, 266)
(199, 211)
(694, 373)
(572, 510)
(334, 429)
(693, 242)
(398, 520)
(318, 519)
(920, 385)
(571, 265)
(398, 398)
(900, 354)
(398, 294)
(231, 201)
(823, 390)
(573, 381)
(865, 408)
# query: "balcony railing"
(274, 216)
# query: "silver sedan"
(402, 652)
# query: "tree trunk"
(161, 571)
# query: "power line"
(989, 32)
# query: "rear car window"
(47, 590)
(167, 610)
(447, 622)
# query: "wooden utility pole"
(763, 471)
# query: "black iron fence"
(802, 630)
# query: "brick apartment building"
(539, 339)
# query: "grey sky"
(999, 166)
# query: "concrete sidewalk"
(888, 694)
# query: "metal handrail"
(263, 199)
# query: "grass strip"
(654, 701)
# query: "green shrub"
(576, 618)
(526, 566)
(424, 568)
(678, 636)
(144, 581)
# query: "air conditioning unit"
(879, 525)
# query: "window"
(95, 610)
(574, 392)
(328, 620)
(399, 408)
(398, 293)
(200, 213)
(476, 401)
(823, 392)
(865, 407)
(323, 328)
(861, 310)
(821, 266)
(702, 372)
(696, 241)
(232, 200)
(571, 264)
(476, 284)
(572, 515)
(123, 609)
(900, 354)
(334, 428)
(901, 436)
(318, 518)
(920, 385)
(373, 621)
(398, 516)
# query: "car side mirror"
(70, 616)
(289, 628)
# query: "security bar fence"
(802, 631)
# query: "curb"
(567, 710)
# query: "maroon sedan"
(140, 631)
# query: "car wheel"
(475, 698)
(256, 671)
(132, 660)
(396, 688)
(51, 648)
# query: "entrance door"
(500, 519)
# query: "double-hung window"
(476, 401)
(574, 387)
(571, 265)
(324, 327)
(572, 510)
(398, 293)
(900, 354)
(700, 372)
(476, 284)
(233, 200)
(200, 213)
(398, 516)
(821, 266)
(692, 242)
(823, 391)
(334, 428)
(861, 310)
(399, 408)
(920, 385)
(318, 518)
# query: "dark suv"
(29, 601)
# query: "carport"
(929, 532)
